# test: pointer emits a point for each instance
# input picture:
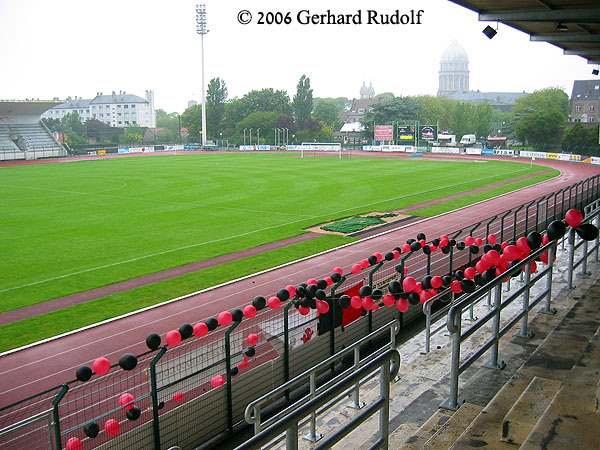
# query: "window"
(577, 108)
(597, 87)
(127, 122)
(126, 106)
(118, 106)
(119, 114)
(591, 108)
(133, 106)
(120, 122)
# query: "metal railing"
(455, 310)
(386, 363)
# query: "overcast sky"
(63, 48)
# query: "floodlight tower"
(202, 30)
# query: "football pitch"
(75, 226)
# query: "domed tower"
(454, 70)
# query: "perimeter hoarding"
(406, 134)
(428, 133)
(384, 133)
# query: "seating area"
(27, 141)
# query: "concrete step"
(527, 410)
(417, 440)
(567, 423)
(453, 427)
(483, 430)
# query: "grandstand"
(23, 135)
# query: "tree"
(326, 110)
(215, 106)
(167, 126)
(303, 101)
(191, 119)
(133, 135)
(540, 116)
(75, 131)
(265, 121)
(579, 138)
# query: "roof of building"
(117, 98)
(74, 103)
(352, 127)
(454, 52)
(494, 98)
(586, 90)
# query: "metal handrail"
(289, 422)
(253, 410)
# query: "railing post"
(597, 241)
(312, 435)
(584, 271)
(286, 342)
(571, 238)
(356, 403)
(451, 402)
(228, 374)
(493, 362)
(154, 395)
(551, 254)
(524, 331)
(56, 415)
(384, 412)
(291, 437)
(333, 313)
(370, 313)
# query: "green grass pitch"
(72, 227)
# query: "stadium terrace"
(370, 16)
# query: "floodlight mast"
(202, 30)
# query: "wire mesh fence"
(193, 392)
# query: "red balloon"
(367, 303)
(224, 318)
(470, 273)
(364, 263)
(574, 217)
(329, 281)
(291, 289)
(378, 255)
(523, 245)
(469, 240)
(456, 287)
(405, 248)
(243, 363)
(388, 300)
(356, 268)
(126, 400)
(402, 305)
(74, 443)
(444, 242)
(274, 302)
(311, 281)
(493, 257)
(396, 254)
(545, 239)
(503, 245)
(112, 427)
(173, 338)
(409, 284)
(423, 296)
(492, 239)
(544, 257)
(355, 302)
(437, 282)
(217, 381)
(418, 287)
(101, 366)
(444, 236)
(512, 252)
(303, 310)
(178, 396)
(533, 267)
(322, 306)
(252, 339)
(479, 242)
(338, 270)
(200, 329)
(480, 266)
(250, 311)
(423, 243)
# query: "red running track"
(42, 366)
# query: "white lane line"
(214, 241)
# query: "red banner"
(384, 132)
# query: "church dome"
(454, 53)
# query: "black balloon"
(365, 291)
(447, 280)
(426, 282)
(128, 361)
(335, 277)
(497, 247)
(534, 239)
(398, 249)
(283, 295)
(415, 246)
(410, 241)
(487, 248)
(250, 351)
(446, 250)
(413, 298)
(234, 371)
(460, 245)
(556, 230)
(389, 256)
(372, 260)
(459, 274)
(133, 413)
(421, 237)
(186, 331)
(395, 287)
(312, 303)
(468, 286)
(259, 302)
(237, 315)
(300, 290)
(587, 231)
(84, 373)
(91, 429)
(322, 284)
(345, 301)
(436, 242)
(310, 290)
(161, 405)
(212, 323)
(452, 242)
(306, 302)
(489, 275)
(474, 249)
(478, 279)
(399, 268)
(320, 294)
(427, 250)
(377, 294)
(153, 341)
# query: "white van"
(468, 139)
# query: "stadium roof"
(579, 21)
(117, 98)
(74, 104)
(12, 108)
(586, 90)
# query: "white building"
(117, 110)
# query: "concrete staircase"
(551, 402)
